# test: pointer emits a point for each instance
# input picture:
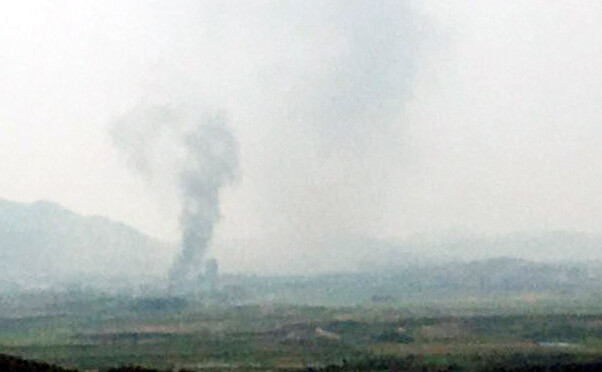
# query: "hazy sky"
(375, 118)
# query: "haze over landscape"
(364, 131)
(300, 185)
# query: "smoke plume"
(196, 152)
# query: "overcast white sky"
(376, 118)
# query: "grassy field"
(100, 333)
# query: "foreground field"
(169, 334)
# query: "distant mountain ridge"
(546, 246)
(42, 242)
(543, 247)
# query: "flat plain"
(98, 332)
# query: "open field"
(100, 333)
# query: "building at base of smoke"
(202, 284)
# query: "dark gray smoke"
(211, 163)
(199, 153)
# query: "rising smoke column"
(211, 163)
(197, 152)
